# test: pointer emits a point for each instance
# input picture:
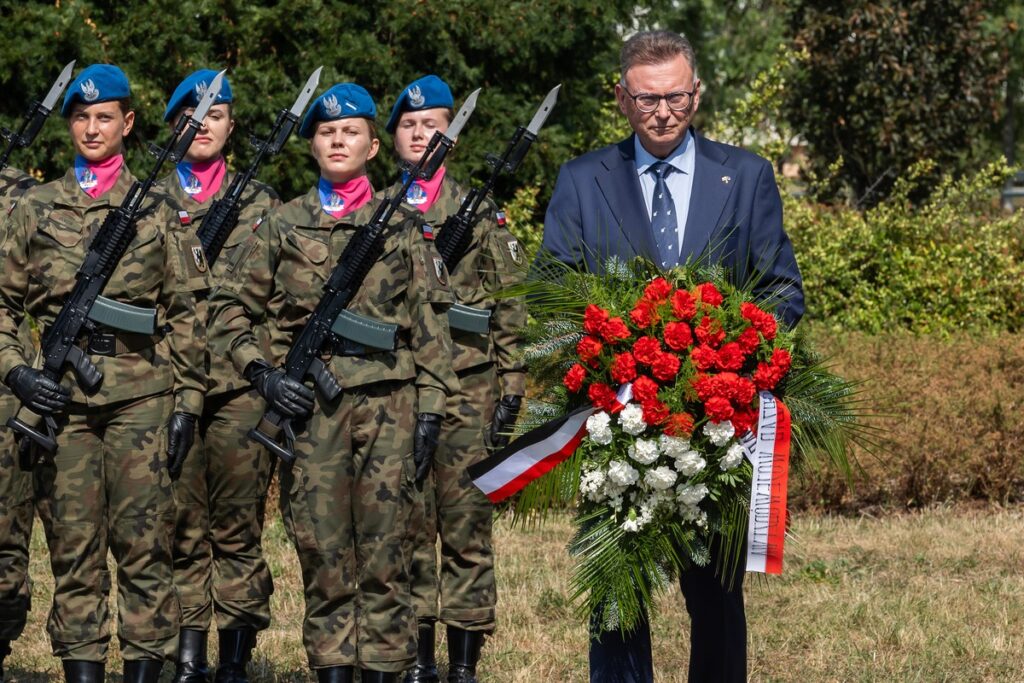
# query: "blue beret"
(96, 83)
(428, 92)
(190, 90)
(341, 101)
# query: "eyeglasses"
(676, 101)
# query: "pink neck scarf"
(423, 193)
(340, 199)
(97, 177)
(202, 180)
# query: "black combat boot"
(367, 676)
(425, 668)
(463, 654)
(192, 666)
(336, 674)
(77, 671)
(236, 646)
(5, 649)
(143, 670)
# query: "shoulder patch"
(428, 231)
(200, 259)
(439, 271)
(184, 218)
(514, 251)
(258, 223)
(499, 217)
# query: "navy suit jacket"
(735, 218)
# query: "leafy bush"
(953, 414)
(947, 264)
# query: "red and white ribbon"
(768, 452)
(536, 453)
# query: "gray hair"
(655, 47)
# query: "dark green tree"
(890, 82)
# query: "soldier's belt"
(469, 319)
(124, 317)
(366, 332)
(117, 343)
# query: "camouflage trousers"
(16, 515)
(107, 488)
(346, 501)
(459, 514)
(218, 552)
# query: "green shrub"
(947, 264)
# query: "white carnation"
(599, 428)
(660, 478)
(719, 432)
(690, 463)
(691, 494)
(732, 457)
(692, 513)
(632, 419)
(644, 451)
(638, 521)
(621, 473)
(673, 446)
(592, 485)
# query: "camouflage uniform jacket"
(45, 240)
(279, 274)
(257, 200)
(13, 184)
(493, 263)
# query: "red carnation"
(766, 376)
(782, 360)
(645, 389)
(679, 425)
(743, 421)
(655, 412)
(588, 350)
(709, 331)
(762, 321)
(718, 409)
(593, 318)
(730, 357)
(704, 385)
(665, 367)
(768, 327)
(644, 314)
(749, 340)
(646, 350)
(709, 294)
(603, 397)
(678, 336)
(751, 311)
(573, 379)
(658, 290)
(704, 357)
(614, 330)
(623, 368)
(684, 306)
(742, 391)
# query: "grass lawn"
(930, 596)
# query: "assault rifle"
(454, 237)
(220, 221)
(84, 308)
(36, 116)
(303, 359)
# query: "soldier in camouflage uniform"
(492, 382)
(108, 485)
(348, 497)
(15, 483)
(218, 554)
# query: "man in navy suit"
(671, 195)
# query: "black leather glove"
(181, 432)
(283, 394)
(505, 415)
(36, 391)
(424, 443)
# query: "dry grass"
(936, 595)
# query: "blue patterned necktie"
(663, 217)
